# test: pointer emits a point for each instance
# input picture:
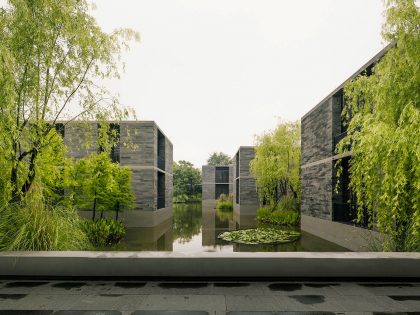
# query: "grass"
(33, 225)
(103, 232)
(278, 217)
(224, 203)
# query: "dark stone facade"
(140, 154)
(245, 195)
(322, 128)
(209, 181)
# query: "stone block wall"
(208, 185)
(80, 139)
(138, 151)
(209, 181)
(317, 141)
(317, 190)
(248, 195)
(316, 169)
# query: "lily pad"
(260, 236)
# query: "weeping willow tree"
(383, 116)
(52, 57)
(276, 165)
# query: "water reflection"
(195, 228)
(186, 221)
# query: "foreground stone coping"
(162, 254)
(188, 265)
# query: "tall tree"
(218, 158)
(52, 56)
(187, 180)
(98, 184)
(383, 116)
(276, 165)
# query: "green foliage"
(383, 116)
(224, 202)
(101, 185)
(52, 56)
(187, 182)
(279, 217)
(219, 158)
(35, 225)
(276, 165)
(103, 232)
(260, 236)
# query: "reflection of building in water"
(245, 196)
(150, 158)
(215, 223)
(156, 238)
(216, 180)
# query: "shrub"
(280, 217)
(287, 203)
(34, 225)
(103, 232)
(225, 202)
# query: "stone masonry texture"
(247, 184)
(138, 151)
(209, 181)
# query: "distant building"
(323, 210)
(150, 158)
(216, 180)
(245, 195)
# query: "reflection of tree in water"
(224, 216)
(187, 221)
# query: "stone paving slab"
(215, 298)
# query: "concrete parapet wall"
(164, 264)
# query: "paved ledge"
(89, 297)
(170, 264)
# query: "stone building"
(245, 195)
(150, 157)
(323, 211)
(216, 180)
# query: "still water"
(195, 228)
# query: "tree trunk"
(31, 173)
(94, 207)
(117, 211)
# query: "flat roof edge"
(355, 74)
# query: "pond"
(195, 228)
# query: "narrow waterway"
(194, 228)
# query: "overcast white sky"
(215, 73)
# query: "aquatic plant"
(260, 236)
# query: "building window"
(344, 205)
(237, 191)
(114, 138)
(221, 189)
(161, 151)
(160, 190)
(222, 174)
(237, 164)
